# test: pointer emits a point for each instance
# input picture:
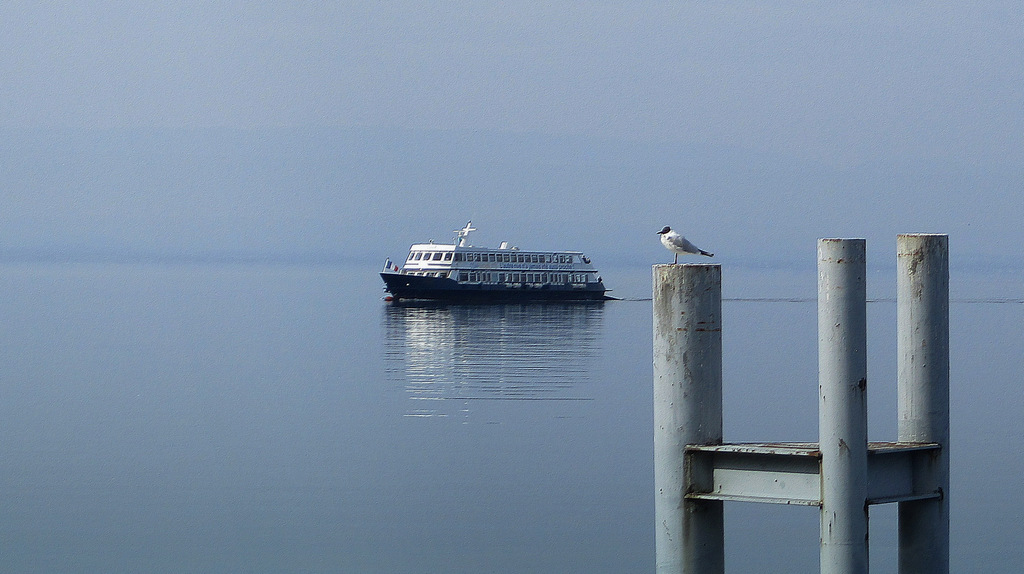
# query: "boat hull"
(443, 289)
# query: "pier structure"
(842, 474)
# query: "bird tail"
(702, 252)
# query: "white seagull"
(678, 244)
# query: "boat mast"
(461, 235)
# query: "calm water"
(260, 418)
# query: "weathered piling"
(841, 475)
(842, 405)
(922, 319)
(687, 410)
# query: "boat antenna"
(461, 235)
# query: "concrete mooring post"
(840, 475)
(842, 405)
(687, 411)
(922, 346)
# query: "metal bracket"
(790, 473)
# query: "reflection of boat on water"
(535, 351)
(463, 272)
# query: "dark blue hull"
(444, 289)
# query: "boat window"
(411, 255)
(458, 257)
(448, 256)
(437, 256)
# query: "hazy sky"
(846, 94)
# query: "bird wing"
(685, 245)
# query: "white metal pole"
(687, 410)
(842, 405)
(922, 318)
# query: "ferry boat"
(461, 272)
